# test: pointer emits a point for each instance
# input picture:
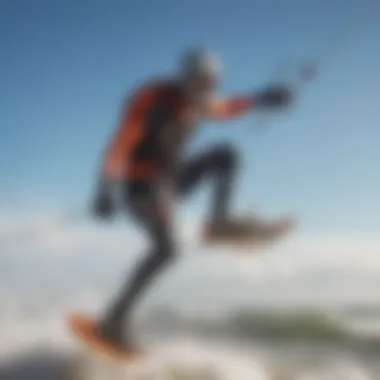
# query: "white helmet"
(199, 61)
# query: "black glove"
(274, 97)
(103, 206)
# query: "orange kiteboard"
(83, 328)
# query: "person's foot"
(250, 230)
(116, 334)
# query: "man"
(146, 153)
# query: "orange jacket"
(154, 110)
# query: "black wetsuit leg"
(148, 204)
(219, 164)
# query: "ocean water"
(37, 290)
(35, 345)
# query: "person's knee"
(226, 157)
(165, 250)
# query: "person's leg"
(148, 206)
(218, 164)
(151, 207)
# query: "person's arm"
(111, 170)
(224, 108)
(113, 162)
(239, 105)
(114, 158)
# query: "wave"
(36, 345)
(291, 325)
(278, 325)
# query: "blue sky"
(66, 65)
